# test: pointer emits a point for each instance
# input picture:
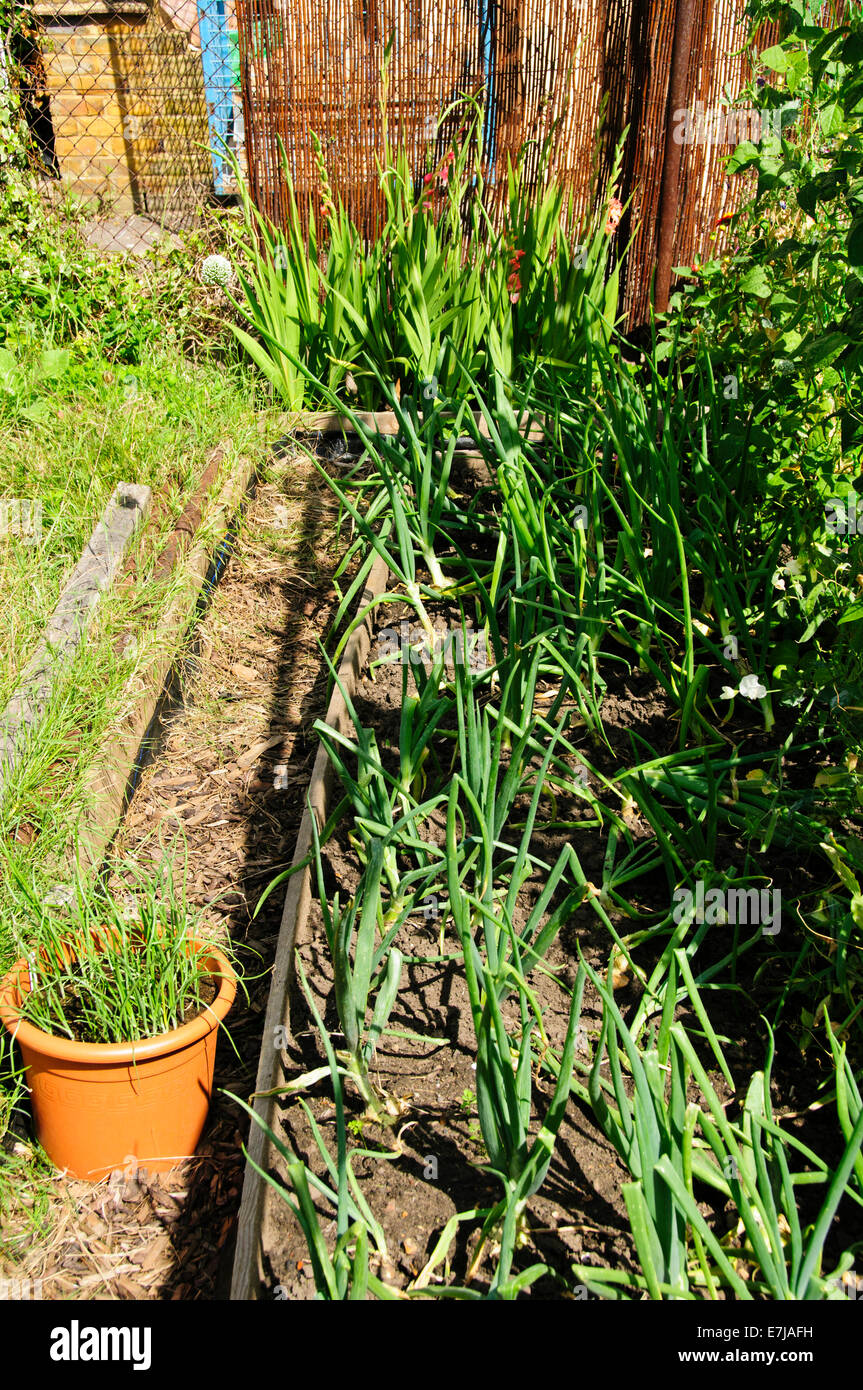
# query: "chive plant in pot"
(115, 1007)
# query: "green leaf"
(290, 386)
(54, 363)
(831, 118)
(744, 155)
(828, 1211)
(840, 867)
(796, 69)
(37, 411)
(755, 282)
(644, 1234)
(852, 614)
(775, 58)
(855, 243)
(823, 349)
(821, 189)
(686, 1204)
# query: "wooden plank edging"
(106, 784)
(378, 421)
(67, 626)
(248, 1271)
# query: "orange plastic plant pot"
(102, 1106)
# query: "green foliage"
(343, 1273)
(679, 517)
(106, 970)
(20, 389)
(780, 313)
(16, 34)
(438, 299)
(57, 290)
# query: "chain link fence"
(135, 106)
(144, 105)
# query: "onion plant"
(484, 872)
(389, 529)
(343, 1273)
(787, 1257)
(384, 807)
(385, 817)
(849, 1103)
(364, 969)
(504, 1085)
(111, 969)
(711, 796)
(548, 579)
(670, 1144)
(351, 938)
(414, 470)
(626, 535)
(655, 1122)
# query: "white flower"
(216, 270)
(752, 689)
(778, 581)
(728, 693)
(794, 568)
(61, 896)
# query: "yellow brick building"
(128, 108)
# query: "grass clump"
(106, 968)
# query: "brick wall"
(126, 92)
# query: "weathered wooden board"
(67, 626)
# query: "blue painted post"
(218, 81)
(487, 26)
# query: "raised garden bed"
(599, 829)
(417, 1174)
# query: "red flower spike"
(615, 212)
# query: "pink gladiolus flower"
(615, 212)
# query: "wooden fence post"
(669, 198)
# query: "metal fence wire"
(134, 103)
(137, 102)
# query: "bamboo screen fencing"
(315, 65)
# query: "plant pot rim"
(70, 1050)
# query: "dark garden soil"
(428, 1166)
